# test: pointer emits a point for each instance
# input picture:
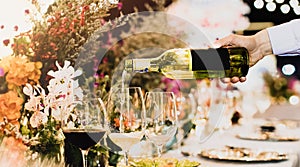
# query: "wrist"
(263, 42)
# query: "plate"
(266, 137)
(243, 155)
(163, 162)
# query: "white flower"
(66, 72)
(33, 104)
(28, 90)
(38, 118)
(64, 94)
(64, 90)
(37, 95)
(57, 113)
(70, 124)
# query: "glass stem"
(180, 136)
(159, 151)
(84, 157)
(126, 156)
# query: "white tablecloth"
(221, 138)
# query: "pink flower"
(102, 75)
(105, 60)
(6, 42)
(2, 72)
(16, 28)
(96, 76)
(27, 11)
(171, 85)
(96, 85)
(120, 5)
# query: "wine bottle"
(185, 63)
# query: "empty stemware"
(161, 118)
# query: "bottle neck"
(210, 59)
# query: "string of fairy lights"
(285, 6)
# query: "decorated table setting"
(262, 139)
(226, 148)
(256, 140)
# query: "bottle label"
(210, 59)
(141, 65)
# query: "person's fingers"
(225, 80)
(243, 79)
(217, 44)
(235, 79)
(226, 41)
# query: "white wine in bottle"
(185, 63)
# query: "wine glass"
(203, 95)
(186, 113)
(126, 113)
(85, 126)
(161, 118)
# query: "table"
(221, 138)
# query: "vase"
(49, 155)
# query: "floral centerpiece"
(37, 123)
(44, 111)
(58, 35)
(38, 79)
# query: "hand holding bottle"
(258, 46)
